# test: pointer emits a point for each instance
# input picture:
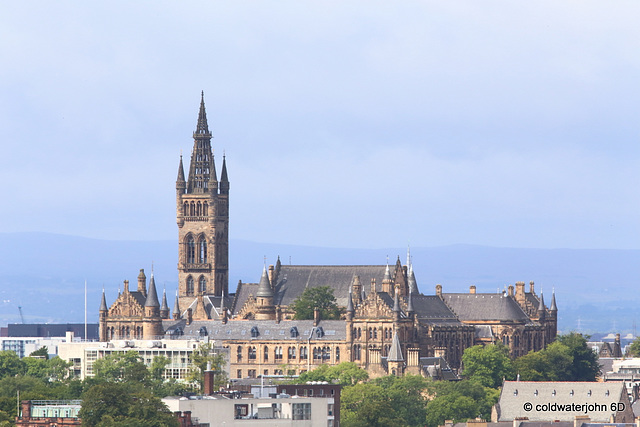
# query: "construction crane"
(21, 316)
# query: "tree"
(459, 401)
(634, 348)
(121, 367)
(124, 404)
(200, 358)
(10, 364)
(345, 373)
(585, 366)
(41, 352)
(489, 365)
(366, 405)
(407, 396)
(321, 298)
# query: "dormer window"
(319, 332)
(293, 332)
(203, 332)
(254, 332)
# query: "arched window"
(191, 250)
(293, 332)
(370, 333)
(266, 353)
(255, 332)
(291, 353)
(185, 209)
(239, 353)
(252, 353)
(205, 209)
(190, 286)
(199, 209)
(192, 209)
(202, 246)
(337, 354)
(202, 284)
(278, 353)
(375, 333)
(303, 352)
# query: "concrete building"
(49, 413)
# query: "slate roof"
(242, 295)
(292, 280)
(431, 309)
(516, 393)
(476, 307)
(139, 297)
(267, 329)
(532, 299)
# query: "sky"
(362, 124)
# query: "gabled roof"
(470, 307)
(292, 280)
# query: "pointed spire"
(541, 308)
(202, 127)
(264, 287)
(103, 303)
(387, 273)
(554, 307)
(180, 179)
(413, 286)
(165, 306)
(152, 296)
(395, 352)
(176, 308)
(350, 302)
(224, 179)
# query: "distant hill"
(45, 273)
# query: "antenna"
(85, 309)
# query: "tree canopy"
(320, 297)
(488, 365)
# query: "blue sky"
(349, 124)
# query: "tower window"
(189, 285)
(191, 250)
(203, 249)
(202, 284)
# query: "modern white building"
(84, 354)
(283, 410)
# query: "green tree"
(459, 401)
(121, 367)
(158, 366)
(585, 366)
(10, 364)
(366, 405)
(489, 365)
(407, 395)
(200, 358)
(41, 352)
(345, 373)
(123, 404)
(320, 297)
(634, 348)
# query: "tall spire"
(396, 302)
(350, 302)
(541, 308)
(202, 128)
(201, 156)
(152, 295)
(180, 179)
(410, 309)
(413, 286)
(164, 306)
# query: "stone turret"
(264, 298)
(152, 323)
(142, 282)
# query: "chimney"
(271, 275)
(373, 286)
(510, 290)
(580, 419)
(439, 290)
(209, 377)
(520, 292)
(126, 286)
(189, 316)
(225, 317)
(472, 289)
(531, 287)
(316, 316)
(278, 314)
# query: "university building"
(388, 326)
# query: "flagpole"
(85, 309)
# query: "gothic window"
(185, 209)
(189, 286)
(199, 209)
(277, 353)
(291, 353)
(293, 332)
(337, 354)
(202, 244)
(203, 331)
(192, 207)
(191, 250)
(319, 332)
(303, 353)
(370, 333)
(375, 333)
(205, 209)
(254, 332)
(252, 353)
(202, 284)
(359, 333)
(239, 353)
(266, 353)
(356, 352)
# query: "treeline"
(412, 400)
(123, 393)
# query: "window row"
(196, 252)
(195, 208)
(202, 285)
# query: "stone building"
(388, 326)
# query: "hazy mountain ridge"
(45, 273)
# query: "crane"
(21, 316)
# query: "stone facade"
(388, 326)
